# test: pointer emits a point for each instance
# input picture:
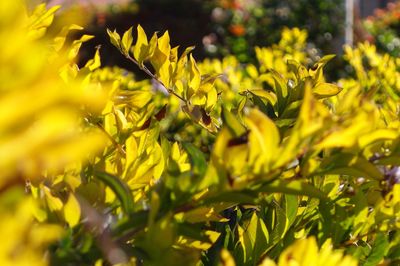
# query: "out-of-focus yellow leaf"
(323, 90)
(72, 211)
(201, 214)
(94, 63)
(267, 95)
(197, 244)
(54, 203)
(227, 259)
(40, 19)
(60, 39)
(76, 45)
(17, 225)
(377, 135)
(305, 252)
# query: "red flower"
(237, 30)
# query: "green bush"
(241, 25)
(384, 28)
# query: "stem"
(148, 72)
(113, 141)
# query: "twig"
(97, 223)
(113, 141)
(148, 72)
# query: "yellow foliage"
(305, 252)
(25, 241)
(41, 108)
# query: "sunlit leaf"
(72, 211)
(127, 41)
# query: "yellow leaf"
(201, 214)
(268, 262)
(72, 211)
(160, 59)
(195, 78)
(141, 47)
(62, 36)
(377, 135)
(94, 63)
(114, 38)
(127, 40)
(198, 99)
(76, 45)
(227, 258)
(212, 98)
(152, 46)
(347, 136)
(131, 152)
(264, 139)
(267, 95)
(252, 71)
(40, 20)
(163, 44)
(197, 244)
(323, 90)
(54, 203)
(173, 57)
(122, 123)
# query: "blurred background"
(221, 27)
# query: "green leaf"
(379, 250)
(281, 224)
(348, 164)
(290, 205)
(264, 107)
(389, 160)
(132, 223)
(202, 214)
(233, 124)
(267, 95)
(120, 189)
(127, 40)
(281, 89)
(243, 197)
(258, 235)
(197, 159)
(295, 187)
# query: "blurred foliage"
(240, 25)
(210, 162)
(43, 99)
(384, 26)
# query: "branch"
(149, 73)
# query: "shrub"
(385, 28)
(204, 163)
(240, 25)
